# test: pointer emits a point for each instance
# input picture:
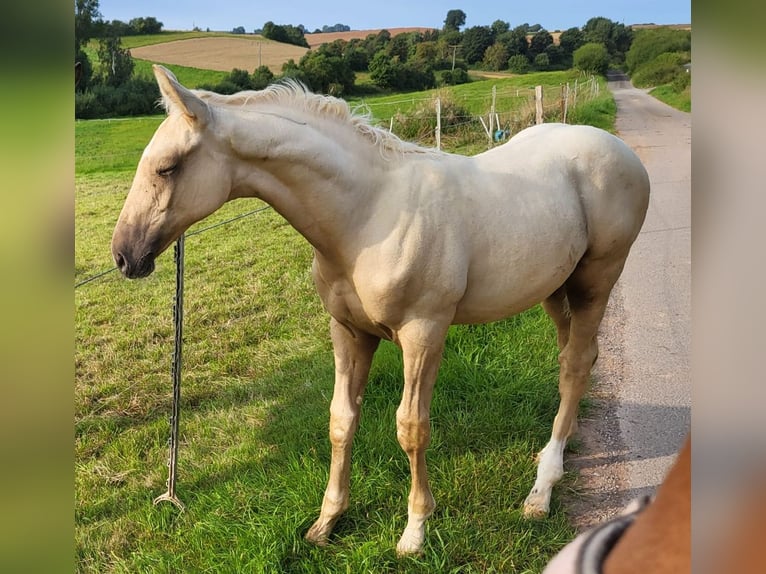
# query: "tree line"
(403, 62)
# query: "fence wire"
(193, 233)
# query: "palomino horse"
(407, 241)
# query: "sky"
(224, 15)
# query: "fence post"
(538, 104)
(574, 98)
(566, 102)
(492, 127)
(486, 129)
(438, 123)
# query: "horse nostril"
(119, 259)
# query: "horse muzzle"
(134, 269)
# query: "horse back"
(607, 177)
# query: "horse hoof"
(535, 506)
(410, 544)
(534, 512)
(318, 534)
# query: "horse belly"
(505, 284)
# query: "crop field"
(222, 53)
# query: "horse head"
(180, 179)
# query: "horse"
(407, 241)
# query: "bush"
(542, 62)
(518, 64)
(420, 124)
(591, 58)
(650, 43)
(262, 77)
(682, 82)
(455, 77)
(136, 97)
(664, 69)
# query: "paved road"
(642, 384)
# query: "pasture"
(257, 380)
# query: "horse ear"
(176, 95)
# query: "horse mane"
(295, 94)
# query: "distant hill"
(315, 40)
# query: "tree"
(496, 57)
(356, 56)
(238, 30)
(382, 70)
(500, 27)
(615, 37)
(540, 41)
(557, 57)
(85, 15)
(399, 47)
(454, 20)
(148, 25)
(327, 74)
(515, 42)
(571, 39)
(476, 40)
(287, 33)
(592, 58)
(116, 63)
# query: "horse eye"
(165, 171)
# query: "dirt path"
(642, 384)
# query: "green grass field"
(680, 101)
(257, 382)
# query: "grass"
(189, 77)
(257, 381)
(679, 100)
(161, 38)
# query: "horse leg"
(422, 347)
(353, 351)
(587, 292)
(557, 308)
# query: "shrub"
(650, 43)
(682, 82)
(591, 58)
(542, 62)
(420, 123)
(662, 70)
(518, 64)
(262, 77)
(455, 77)
(136, 97)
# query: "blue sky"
(360, 15)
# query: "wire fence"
(506, 111)
(100, 274)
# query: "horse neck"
(318, 174)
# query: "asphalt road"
(642, 380)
